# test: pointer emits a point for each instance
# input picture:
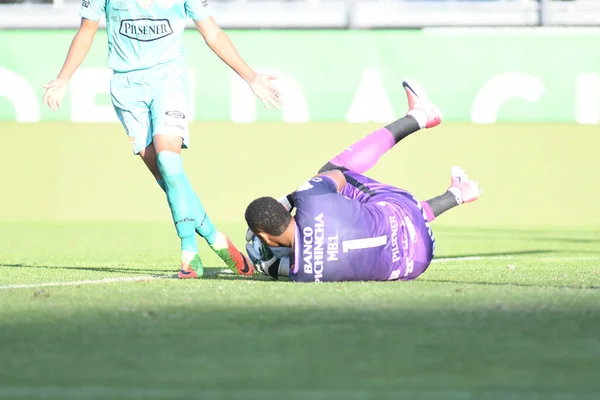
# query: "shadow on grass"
(264, 351)
(209, 272)
(566, 240)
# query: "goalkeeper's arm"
(336, 176)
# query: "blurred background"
(518, 81)
(346, 14)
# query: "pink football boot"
(463, 189)
(420, 107)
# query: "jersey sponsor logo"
(175, 126)
(145, 29)
(332, 248)
(307, 243)
(404, 238)
(312, 250)
(411, 229)
(175, 114)
(395, 245)
(410, 266)
(85, 3)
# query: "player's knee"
(330, 167)
(166, 141)
(169, 164)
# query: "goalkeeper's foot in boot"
(420, 107)
(191, 269)
(237, 261)
(463, 189)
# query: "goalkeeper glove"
(265, 261)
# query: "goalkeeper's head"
(271, 221)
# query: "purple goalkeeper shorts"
(416, 235)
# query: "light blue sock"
(204, 227)
(180, 198)
(162, 184)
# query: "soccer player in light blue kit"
(149, 91)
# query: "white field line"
(509, 257)
(470, 258)
(101, 281)
(87, 282)
(226, 271)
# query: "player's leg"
(131, 103)
(167, 148)
(204, 227)
(169, 116)
(461, 190)
(188, 213)
(364, 154)
(148, 156)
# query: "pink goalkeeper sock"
(364, 154)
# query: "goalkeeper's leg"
(364, 154)
(461, 190)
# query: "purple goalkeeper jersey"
(368, 231)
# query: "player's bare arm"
(80, 46)
(222, 46)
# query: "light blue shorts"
(151, 102)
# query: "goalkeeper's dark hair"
(267, 215)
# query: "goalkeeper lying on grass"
(348, 227)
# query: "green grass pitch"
(509, 309)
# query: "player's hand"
(55, 92)
(250, 235)
(263, 88)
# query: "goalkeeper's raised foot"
(420, 107)
(464, 189)
(238, 262)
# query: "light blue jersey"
(144, 33)
(150, 89)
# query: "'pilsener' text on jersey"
(144, 33)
